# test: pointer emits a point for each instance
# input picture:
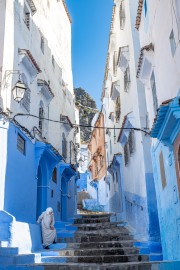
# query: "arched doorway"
(64, 198)
(39, 202)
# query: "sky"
(91, 21)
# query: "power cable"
(80, 125)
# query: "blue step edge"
(154, 247)
(155, 257)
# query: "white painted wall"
(162, 17)
(135, 171)
(3, 160)
(53, 23)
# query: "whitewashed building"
(158, 23)
(130, 178)
(38, 146)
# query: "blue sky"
(90, 33)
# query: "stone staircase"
(92, 242)
(96, 242)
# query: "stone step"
(100, 215)
(8, 251)
(102, 225)
(94, 238)
(112, 231)
(108, 244)
(95, 259)
(22, 267)
(92, 252)
(90, 221)
(105, 266)
(17, 259)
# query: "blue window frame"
(145, 7)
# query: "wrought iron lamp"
(19, 90)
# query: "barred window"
(101, 161)
(21, 143)
(41, 120)
(131, 141)
(42, 44)
(122, 15)
(126, 154)
(27, 95)
(26, 100)
(26, 16)
(64, 146)
(115, 63)
(126, 79)
(154, 92)
(117, 109)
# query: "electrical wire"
(80, 125)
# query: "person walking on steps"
(47, 226)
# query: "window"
(52, 193)
(53, 62)
(131, 141)
(41, 118)
(101, 161)
(26, 99)
(122, 15)
(21, 144)
(126, 79)
(26, 17)
(162, 171)
(96, 169)
(145, 7)
(154, 94)
(116, 177)
(42, 44)
(126, 154)
(172, 42)
(117, 109)
(115, 63)
(54, 175)
(64, 146)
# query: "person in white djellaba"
(47, 225)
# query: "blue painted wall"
(82, 182)
(20, 187)
(168, 202)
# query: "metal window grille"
(115, 63)
(101, 161)
(64, 146)
(126, 79)
(42, 44)
(126, 154)
(131, 141)
(122, 15)
(53, 61)
(41, 120)
(27, 19)
(117, 109)
(63, 118)
(26, 100)
(172, 42)
(21, 143)
(154, 93)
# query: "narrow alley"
(89, 134)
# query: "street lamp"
(81, 161)
(19, 90)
